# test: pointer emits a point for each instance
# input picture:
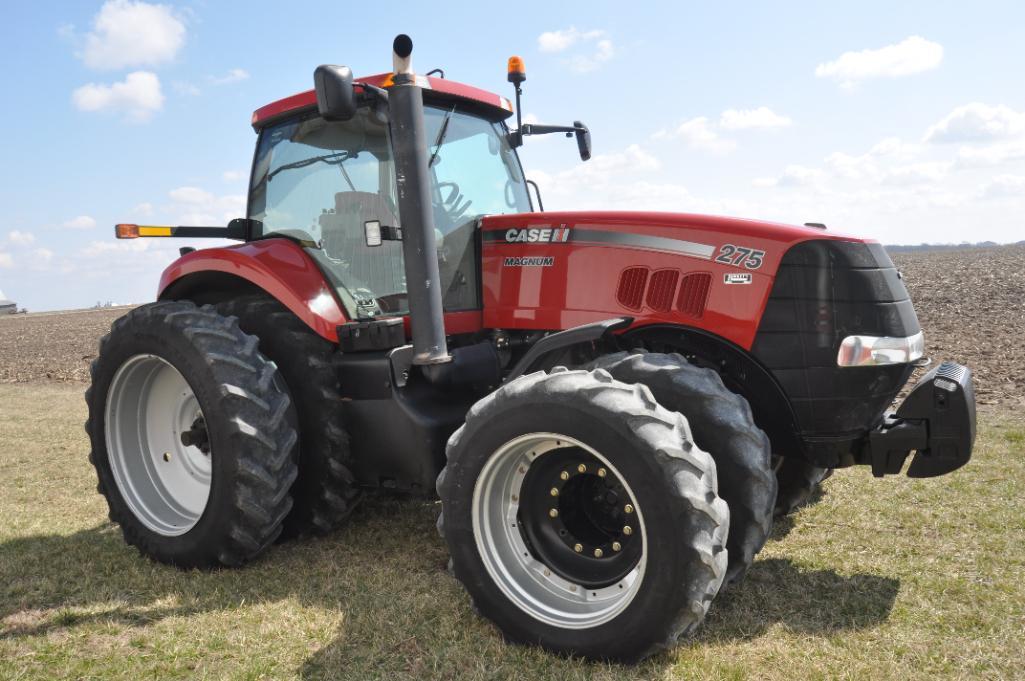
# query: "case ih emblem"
(556, 235)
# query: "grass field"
(881, 579)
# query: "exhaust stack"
(419, 249)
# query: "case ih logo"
(556, 235)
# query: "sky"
(903, 122)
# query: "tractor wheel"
(581, 516)
(191, 436)
(799, 481)
(723, 426)
(326, 491)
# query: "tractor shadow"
(384, 575)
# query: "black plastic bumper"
(936, 421)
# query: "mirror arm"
(537, 191)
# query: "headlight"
(857, 351)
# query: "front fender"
(279, 267)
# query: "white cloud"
(81, 222)
(1005, 186)
(908, 57)
(137, 97)
(233, 76)
(977, 122)
(584, 63)
(236, 175)
(97, 248)
(762, 117)
(42, 255)
(557, 41)
(143, 210)
(192, 195)
(599, 47)
(793, 176)
(20, 238)
(129, 34)
(993, 155)
(917, 173)
(195, 206)
(185, 88)
(698, 134)
(6, 260)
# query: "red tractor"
(612, 406)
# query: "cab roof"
(435, 89)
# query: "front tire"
(191, 436)
(799, 484)
(581, 516)
(723, 425)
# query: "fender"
(741, 372)
(279, 267)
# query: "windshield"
(319, 182)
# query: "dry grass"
(881, 579)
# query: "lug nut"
(578, 547)
(602, 472)
(616, 546)
(628, 509)
(598, 553)
(554, 492)
(515, 498)
(167, 456)
(627, 530)
(553, 513)
(582, 468)
(564, 475)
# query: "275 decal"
(738, 256)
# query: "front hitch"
(936, 421)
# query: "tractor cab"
(332, 186)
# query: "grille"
(630, 293)
(661, 290)
(694, 294)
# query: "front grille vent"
(630, 292)
(694, 294)
(661, 290)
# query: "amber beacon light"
(517, 71)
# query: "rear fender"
(278, 267)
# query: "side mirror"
(583, 140)
(336, 97)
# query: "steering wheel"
(452, 203)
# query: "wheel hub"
(158, 445)
(575, 514)
(534, 506)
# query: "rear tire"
(723, 426)
(171, 366)
(601, 445)
(799, 484)
(326, 491)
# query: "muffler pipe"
(413, 179)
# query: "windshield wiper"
(441, 137)
(332, 159)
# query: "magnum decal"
(542, 261)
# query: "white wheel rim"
(530, 584)
(165, 483)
